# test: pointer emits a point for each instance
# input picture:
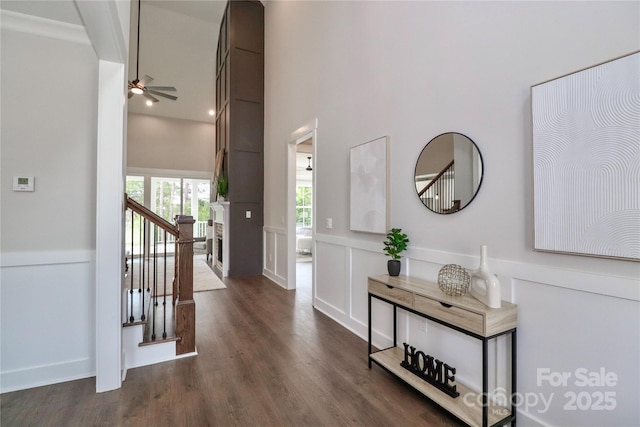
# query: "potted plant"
(222, 187)
(395, 244)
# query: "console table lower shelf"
(390, 360)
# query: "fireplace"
(219, 236)
(220, 211)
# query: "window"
(134, 188)
(195, 202)
(171, 196)
(303, 206)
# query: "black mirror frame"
(479, 183)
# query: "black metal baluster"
(155, 281)
(143, 253)
(448, 192)
(438, 191)
(131, 318)
(143, 316)
(148, 249)
(453, 186)
(140, 250)
(164, 294)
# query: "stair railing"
(439, 193)
(148, 288)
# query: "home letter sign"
(430, 369)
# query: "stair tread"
(155, 317)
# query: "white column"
(109, 225)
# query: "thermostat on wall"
(23, 183)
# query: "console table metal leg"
(485, 383)
(369, 354)
(395, 325)
(514, 372)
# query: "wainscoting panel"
(275, 255)
(269, 258)
(36, 350)
(281, 256)
(563, 331)
(331, 294)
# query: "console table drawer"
(455, 315)
(391, 293)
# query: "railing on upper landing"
(439, 193)
(159, 277)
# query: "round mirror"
(448, 173)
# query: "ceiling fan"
(139, 86)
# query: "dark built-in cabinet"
(240, 130)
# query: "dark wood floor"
(266, 358)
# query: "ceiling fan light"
(137, 90)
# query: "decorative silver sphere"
(453, 280)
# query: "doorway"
(301, 214)
(304, 215)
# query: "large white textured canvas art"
(370, 187)
(586, 161)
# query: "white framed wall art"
(586, 161)
(370, 186)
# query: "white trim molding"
(20, 259)
(169, 173)
(43, 27)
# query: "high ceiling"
(178, 40)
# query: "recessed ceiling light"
(211, 112)
(149, 103)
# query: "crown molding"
(43, 27)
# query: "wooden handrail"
(150, 215)
(434, 180)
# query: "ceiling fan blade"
(149, 97)
(162, 94)
(165, 88)
(130, 94)
(146, 80)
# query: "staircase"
(439, 193)
(159, 319)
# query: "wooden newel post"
(185, 306)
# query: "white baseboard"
(279, 280)
(46, 375)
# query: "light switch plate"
(24, 183)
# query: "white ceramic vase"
(485, 286)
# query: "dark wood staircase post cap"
(185, 219)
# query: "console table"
(464, 314)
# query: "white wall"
(55, 144)
(49, 91)
(368, 69)
(164, 143)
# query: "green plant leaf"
(396, 243)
